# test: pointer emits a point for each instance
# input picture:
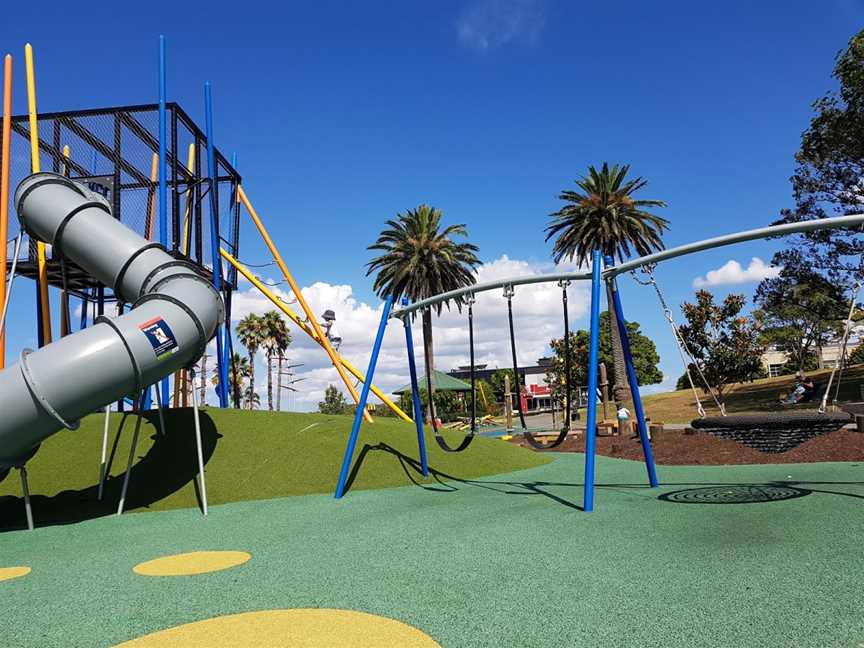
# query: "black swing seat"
(773, 432)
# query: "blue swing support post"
(364, 396)
(631, 378)
(415, 392)
(593, 353)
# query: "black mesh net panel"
(113, 150)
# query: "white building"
(773, 359)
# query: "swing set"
(603, 271)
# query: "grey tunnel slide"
(175, 312)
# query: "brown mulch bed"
(678, 448)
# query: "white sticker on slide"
(160, 336)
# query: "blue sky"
(343, 114)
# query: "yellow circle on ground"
(189, 564)
(302, 628)
(8, 573)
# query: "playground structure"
(140, 175)
(603, 271)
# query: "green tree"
(420, 259)
(250, 332)
(798, 310)
(643, 349)
(238, 372)
(724, 342)
(253, 400)
(828, 173)
(334, 401)
(497, 379)
(448, 406)
(603, 214)
(275, 340)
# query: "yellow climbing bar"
(308, 331)
(310, 316)
(44, 302)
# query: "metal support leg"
(159, 401)
(26, 488)
(103, 465)
(633, 381)
(138, 417)
(415, 393)
(201, 481)
(593, 352)
(364, 396)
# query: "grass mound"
(249, 456)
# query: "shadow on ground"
(169, 465)
(702, 493)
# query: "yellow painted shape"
(306, 628)
(189, 564)
(8, 573)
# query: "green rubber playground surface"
(727, 556)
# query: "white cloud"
(489, 24)
(537, 319)
(732, 272)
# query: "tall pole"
(593, 352)
(4, 193)
(44, 308)
(222, 389)
(364, 396)
(415, 392)
(163, 172)
(632, 379)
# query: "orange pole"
(35, 167)
(4, 192)
(151, 200)
(310, 316)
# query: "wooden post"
(604, 385)
(508, 403)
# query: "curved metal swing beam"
(836, 222)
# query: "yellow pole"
(64, 297)
(44, 303)
(308, 331)
(190, 167)
(151, 199)
(4, 192)
(310, 316)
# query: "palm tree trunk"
(203, 382)
(279, 384)
(270, 381)
(430, 361)
(251, 401)
(620, 390)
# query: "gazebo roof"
(440, 382)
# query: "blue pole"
(415, 393)
(364, 396)
(163, 184)
(221, 390)
(633, 380)
(593, 352)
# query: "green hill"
(249, 455)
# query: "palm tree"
(251, 397)
(275, 341)
(603, 215)
(238, 371)
(251, 334)
(420, 259)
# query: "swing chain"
(683, 348)
(823, 406)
